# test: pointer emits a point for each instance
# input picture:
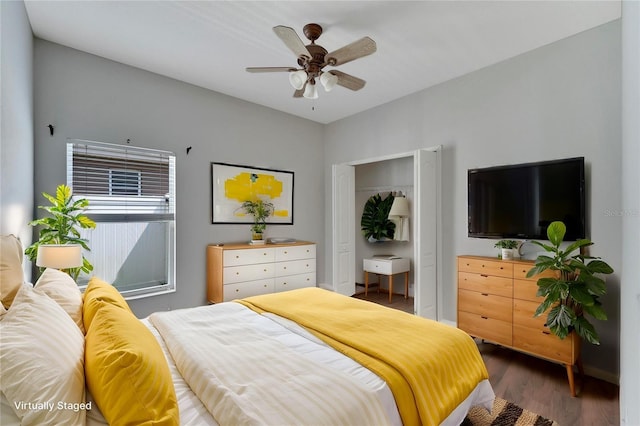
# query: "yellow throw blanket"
(430, 367)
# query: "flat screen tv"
(520, 201)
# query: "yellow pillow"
(11, 274)
(127, 372)
(97, 294)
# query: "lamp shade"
(297, 79)
(310, 92)
(328, 81)
(59, 256)
(400, 207)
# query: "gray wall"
(92, 98)
(561, 100)
(630, 277)
(16, 124)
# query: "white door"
(426, 196)
(343, 220)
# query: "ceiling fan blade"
(270, 69)
(298, 93)
(292, 40)
(348, 81)
(363, 47)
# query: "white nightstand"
(387, 265)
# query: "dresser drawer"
(234, 274)
(246, 289)
(485, 328)
(488, 267)
(249, 256)
(500, 286)
(295, 267)
(486, 305)
(307, 251)
(386, 266)
(523, 311)
(293, 282)
(520, 270)
(545, 344)
(526, 290)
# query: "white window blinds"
(122, 183)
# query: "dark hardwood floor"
(537, 385)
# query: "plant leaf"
(580, 293)
(586, 330)
(555, 232)
(599, 267)
(596, 311)
(595, 285)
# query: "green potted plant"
(260, 210)
(67, 216)
(573, 292)
(375, 223)
(507, 248)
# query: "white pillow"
(63, 289)
(42, 361)
(11, 274)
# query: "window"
(131, 193)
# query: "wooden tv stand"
(496, 302)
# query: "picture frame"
(232, 184)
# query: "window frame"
(134, 209)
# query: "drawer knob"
(264, 270)
(265, 286)
(237, 257)
(484, 317)
(237, 290)
(284, 283)
(485, 294)
(285, 267)
(546, 332)
(286, 252)
(237, 273)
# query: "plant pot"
(256, 236)
(507, 254)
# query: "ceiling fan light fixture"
(297, 79)
(328, 81)
(310, 92)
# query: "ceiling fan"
(312, 59)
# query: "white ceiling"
(210, 43)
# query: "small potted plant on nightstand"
(260, 210)
(507, 248)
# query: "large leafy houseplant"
(260, 210)
(574, 290)
(375, 223)
(67, 216)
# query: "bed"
(270, 359)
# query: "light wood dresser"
(496, 302)
(240, 270)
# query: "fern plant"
(375, 223)
(574, 290)
(62, 226)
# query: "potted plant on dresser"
(573, 291)
(507, 248)
(260, 210)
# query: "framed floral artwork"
(232, 184)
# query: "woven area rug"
(505, 413)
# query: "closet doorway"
(425, 224)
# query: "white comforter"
(248, 368)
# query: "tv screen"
(520, 201)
